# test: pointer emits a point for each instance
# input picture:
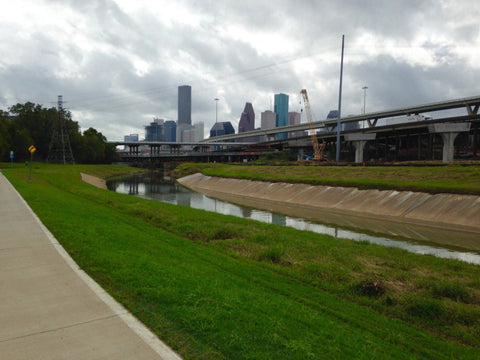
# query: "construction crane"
(317, 148)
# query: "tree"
(5, 140)
(30, 124)
(95, 148)
(35, 122)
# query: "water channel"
(156, 186)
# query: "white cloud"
(119, 62)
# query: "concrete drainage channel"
(449, 220)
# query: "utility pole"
(60, 151)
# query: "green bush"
(452, 290)
(273, 255)
(430, 310)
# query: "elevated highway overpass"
(384, 138)
(470, 104)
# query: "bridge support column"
(449, 132)
(359, 141)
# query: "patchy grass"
(215, 286)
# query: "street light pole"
(364, 97)
(339, 122)
(216, 109)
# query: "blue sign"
(11, 155)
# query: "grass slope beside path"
(219, 287)
(432, 179)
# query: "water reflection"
(155, 187)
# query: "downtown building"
(294, 118)
(247, 122)
(154, 131)
(268, 121)
(247, 119)
(222, 128)
(184, 123)
(281, 111)
(184, 105)
(170, 130)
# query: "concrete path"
(49, 308)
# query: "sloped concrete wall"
(440, 210)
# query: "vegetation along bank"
(215, 286)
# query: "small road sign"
(32, 149)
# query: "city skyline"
(246, 122)
(116, 74)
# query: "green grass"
(220, 287)
(432, 179)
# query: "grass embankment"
(432, 179)
(220, 287)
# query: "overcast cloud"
(118, 63)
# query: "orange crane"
(317, 148)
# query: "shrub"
(370, 288)
(272, 255)
(428, 309)
(454, 291)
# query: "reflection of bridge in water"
(381, 138)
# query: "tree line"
(32, 124)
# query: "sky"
(118, 63)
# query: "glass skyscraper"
(170, 129)
(281, 111)
(247, 120)
(184, 105)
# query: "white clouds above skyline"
(118, 63)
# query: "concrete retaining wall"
(441, 210)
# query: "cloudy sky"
(118, 63)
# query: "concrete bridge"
(382, 136)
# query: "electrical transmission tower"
(60, 151)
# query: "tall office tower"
(170, 130)
(199, 131)
(268, 120)
(188, 134)
(294, 118)
(154, 131)
(281, 109)
(184, 105)
(247, 120)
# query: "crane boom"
(317, 148)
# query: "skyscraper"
(154, 131)
(184, 105)
(170, 129)
(281, 109)
(294, 118)
(268, 119)
(247, 120)
(268, 122)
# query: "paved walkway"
(49, 308)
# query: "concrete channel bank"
(449, 212)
